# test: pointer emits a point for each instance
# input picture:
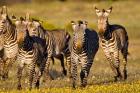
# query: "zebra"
(113, 39)
(32, 53)
(1, 54)
(10, 46)
(58, 42)
(84, 46)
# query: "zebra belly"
(24, 60)
(11, 51)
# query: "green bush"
(46, 25)
(68, 28)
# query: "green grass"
(60, 14)
(100, 80)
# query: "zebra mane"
(41, 32)
(40, 28)
(10, 21)
(27, 43)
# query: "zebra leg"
(124, 68)
(1, 66)
(61, 58)
(109, 58)
(8, 64)
(125, 53)
(68, 63)
(39, 73)
(19, 75)
(74, 72)
(37, 78)
(47, 69)
(117, 64)
(31, 68)
(84, 73)
(6, 69)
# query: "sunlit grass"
(132, 87)
(100, 80)
(60, 14)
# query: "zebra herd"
(26, 42)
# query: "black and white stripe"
(58, 41)
(10, 46)
(84, 46)
(114, 39)
(32, 54)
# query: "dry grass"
(100, 79)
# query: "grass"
(60, 14)
(100, 80)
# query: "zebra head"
(21, 27)
(79, 32)
(32, 25)
(3, 20)
(103, 19)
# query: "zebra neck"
(79, 41)
(10, 36)
(107, 34)
(108, 41)
(27, 44)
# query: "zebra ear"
(98, 12)
(4, 10)
(85, 22)
(27, 17)
(108, 11)
(22, 19)
(73, 24)
(13, 17)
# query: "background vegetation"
(58, 14)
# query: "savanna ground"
(100, 80)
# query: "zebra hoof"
(73, 87)
(124, 75)
(83, 85)
(115, 79)
(4, 77)
(19, 87)
(30, 88)
(65, 72)
(37, 85)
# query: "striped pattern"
(113, 39)
(84, 46)
(57, 43)
(31, 54)
(7, 29)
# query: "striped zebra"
(84, 46)
(1, 54)
(32, 54)
(113, 39)
(10, 46)
(58, 42)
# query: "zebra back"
(61, 40)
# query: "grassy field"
(100, 80)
